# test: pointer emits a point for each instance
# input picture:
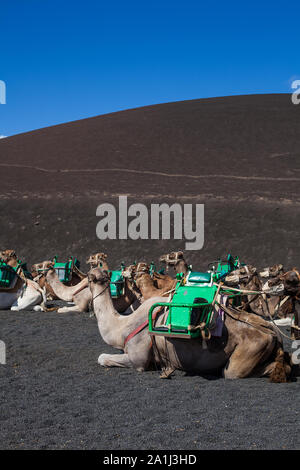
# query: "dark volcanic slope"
(242, 136)
(238, 155)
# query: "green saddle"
(116, 284)
(198, 277)
(8, 275)
(64, 270)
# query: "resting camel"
(38, 274)
(80, 294)
(248, 278)
(175, 259)
(249, 346)
(139, 275)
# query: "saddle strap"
(244, 317)
(141, 327)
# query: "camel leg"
(30, 298)
(74, 308)
(246, 357)
(114, 360)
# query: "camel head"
(175, 259)
(272, 271)
(134, 271)
(291, 282)
(98, 277)
(8, 255)
(97, 260)
(172, 258)
(42, 268)
(242, 275)
(129, 272)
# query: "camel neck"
(181, 267)
(64, 292)
(109, 320)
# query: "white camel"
(23, 294)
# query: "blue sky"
(68, 60)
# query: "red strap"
(141, 327)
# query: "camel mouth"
(98, 276)
(172, 258)
(43, 267)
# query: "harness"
(142, 327)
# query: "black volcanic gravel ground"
(54, 395)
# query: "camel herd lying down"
(250, 343)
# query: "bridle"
(99, 294)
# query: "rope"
(241, 291)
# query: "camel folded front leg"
(74, 308)
(114, 360)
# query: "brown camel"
(139, 275)
(249, 346)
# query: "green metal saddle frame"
(117, 284)
(192, 303)
(64, 269)
(9, 273)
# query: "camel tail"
(281, 368)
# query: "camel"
(247, 277)
(139, 275)
(38, 273)
(80, 294)
(175, 259)
(249, 346)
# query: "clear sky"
(66, 60)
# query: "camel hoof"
(38, 308)
(101, 360)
